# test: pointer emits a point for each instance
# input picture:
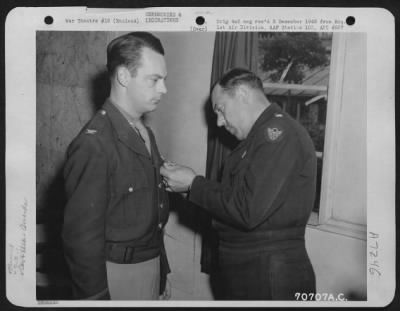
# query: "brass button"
(161, 205)
(160, 225)
(103, 112)
(130, 189)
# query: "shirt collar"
(126, 115)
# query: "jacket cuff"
(196, 190)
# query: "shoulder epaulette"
(96, 123)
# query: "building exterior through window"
(298, 82)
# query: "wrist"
(191, 183)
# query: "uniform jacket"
(117, 204)
(268, 183)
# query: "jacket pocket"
(132, 196)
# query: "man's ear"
(123, 75)
(243, 93)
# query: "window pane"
(295, 70)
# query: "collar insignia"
(90, 132)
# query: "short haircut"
(126, 50)
(239, 76)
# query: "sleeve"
(86, 185)
(250, 200)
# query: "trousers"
(137, 281)
(273, 272)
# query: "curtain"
(231, 49)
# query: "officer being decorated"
(117, 204)
(262, 204)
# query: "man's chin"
(153, 106)
(231, 131)
(235, 134)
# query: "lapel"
(126, 134)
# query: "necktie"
(144, 136)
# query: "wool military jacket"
(268, 183)
(117, 204)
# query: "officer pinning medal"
(261, 206)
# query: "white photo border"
(20, 59)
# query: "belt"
(254, 238)
(126, 254)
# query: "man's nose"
(162, 88)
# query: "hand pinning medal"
(177, 178)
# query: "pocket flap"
(131, 181)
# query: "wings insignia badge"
(274, 133)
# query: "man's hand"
(178, 178)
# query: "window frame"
(324, 220)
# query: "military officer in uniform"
(117, 204)
(261, 207)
